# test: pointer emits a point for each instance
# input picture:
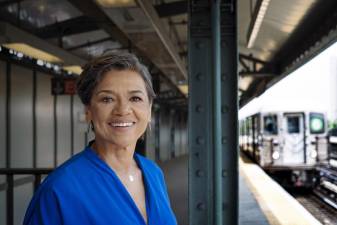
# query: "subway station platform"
(261, 200)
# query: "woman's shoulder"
(65, 172)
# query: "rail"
(10, 184)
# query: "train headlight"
(276, 155)
(313, 154)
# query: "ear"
(88, 115)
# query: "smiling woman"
(108, 183)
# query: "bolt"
(224, 140)
(200, 140)
(201, 206)
(199, 108)
(224, 109)
(199, 173)
(199, 76)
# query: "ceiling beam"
(89, 43)
(12, 34)
(158, 26)
(251, 58)
(93, 11)
(15, 20)
(71, 26)
(256, 74)
(316, 32)
(250, 67)
(256, 88)
(171, 9)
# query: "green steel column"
(212, 123)
(216, 108)
(229, 113)
(201, 192)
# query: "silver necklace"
(131, 178)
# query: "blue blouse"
(85, 190)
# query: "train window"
(316, 123)
(293, 124)
(270, 124)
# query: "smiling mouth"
(122, 124)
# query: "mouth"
(121, 124)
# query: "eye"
(136, 99)
(107, 99)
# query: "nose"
(122, 108)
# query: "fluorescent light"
(116, 3)
(73, 69)
(33, 52)
(183, 88)
(35, 47)
(254, 27)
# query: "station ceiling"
(274, 36)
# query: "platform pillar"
(213, 108)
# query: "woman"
(108, 183)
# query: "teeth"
(121, 124)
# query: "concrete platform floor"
(176, 175)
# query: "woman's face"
(119, 108)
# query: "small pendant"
(131, 178)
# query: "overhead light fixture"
(33, 52)
(255, 24)
(18, 40)
(73, 69)
(183, 88)
(116, 3)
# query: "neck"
(120, 159)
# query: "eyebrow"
(112, 92)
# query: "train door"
(293, 138)
(256, 131)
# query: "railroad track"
(320, 210)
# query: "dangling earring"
(149, 125)
(88, 128)
(92, 126)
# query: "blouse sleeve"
(43, 210)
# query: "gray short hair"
(94, 71)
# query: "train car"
(287, 142)
(326, 183)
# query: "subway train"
(326, 182)
(288, 142)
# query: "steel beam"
(216, 107)
(89, 43)
(71, 26)
(92, 10)
(158, 26)
(13, 34)
(229, 112)
(213, 149)
(171, 8)
(313, 35)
